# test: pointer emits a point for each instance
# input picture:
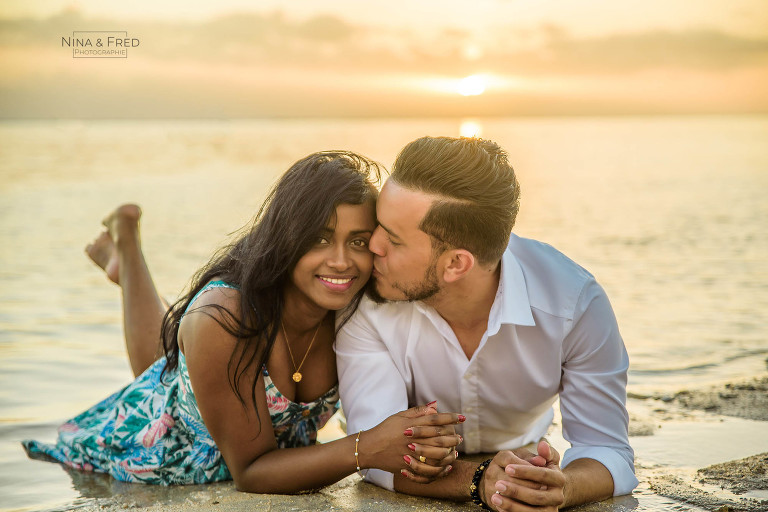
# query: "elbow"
(249, 479)
(242, 484)
(265, 483)
(250, 483)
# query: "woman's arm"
(247, 441)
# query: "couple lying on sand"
(418, 296)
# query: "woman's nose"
(339, 258)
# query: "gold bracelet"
(357, 440)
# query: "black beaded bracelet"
(474, 488)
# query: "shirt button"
(305, 412)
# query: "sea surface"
(669, 213)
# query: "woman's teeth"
(336, 281)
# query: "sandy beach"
(739, 485)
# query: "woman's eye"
(360, 242)
(322, 241)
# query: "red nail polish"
(461, 439)
(408, 432)
(450, 468)
(404, 473)
(432, 403)
(462, 418)
(412, 447)
(407, 459)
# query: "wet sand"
(744, 400)
(737, 485)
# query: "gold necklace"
(297, 374)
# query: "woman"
(249, 373)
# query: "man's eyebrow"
(391, 233)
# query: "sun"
(473, 85)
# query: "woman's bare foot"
(104, 253)
(123, 225)
(122, 233)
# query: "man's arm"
(592, 402)
(370, 385)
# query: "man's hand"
(523, 481)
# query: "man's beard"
(423, 290)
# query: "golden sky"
(351, 58)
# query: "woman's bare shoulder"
(207, 317)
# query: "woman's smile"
(337, 284)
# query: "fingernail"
(457, 453)
(404, 473)
(407, 459)
(408, 432)
(412, 447)
(450, 468)
(462, 418)
(433, 402)
(461, 439)
(509, 470)
(496, 499)
(500, 487)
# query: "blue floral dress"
(151, 431)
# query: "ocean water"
(669, 213)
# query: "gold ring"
(422, 458)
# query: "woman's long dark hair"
(261, 260)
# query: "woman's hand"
(399, 443)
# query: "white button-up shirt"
(551, 331)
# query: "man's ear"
(457, 263)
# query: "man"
(492, 326)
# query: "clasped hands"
(419, 443)
(515, 480)
(519, 480)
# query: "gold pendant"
(296, 377)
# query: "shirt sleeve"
(593, 390)
(370, 386)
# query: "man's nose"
(375, 244)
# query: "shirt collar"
(512, 305)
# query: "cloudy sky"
(238, 58)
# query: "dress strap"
(209, 286)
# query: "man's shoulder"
(554, 281)
(540, 253)
(387, 312)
